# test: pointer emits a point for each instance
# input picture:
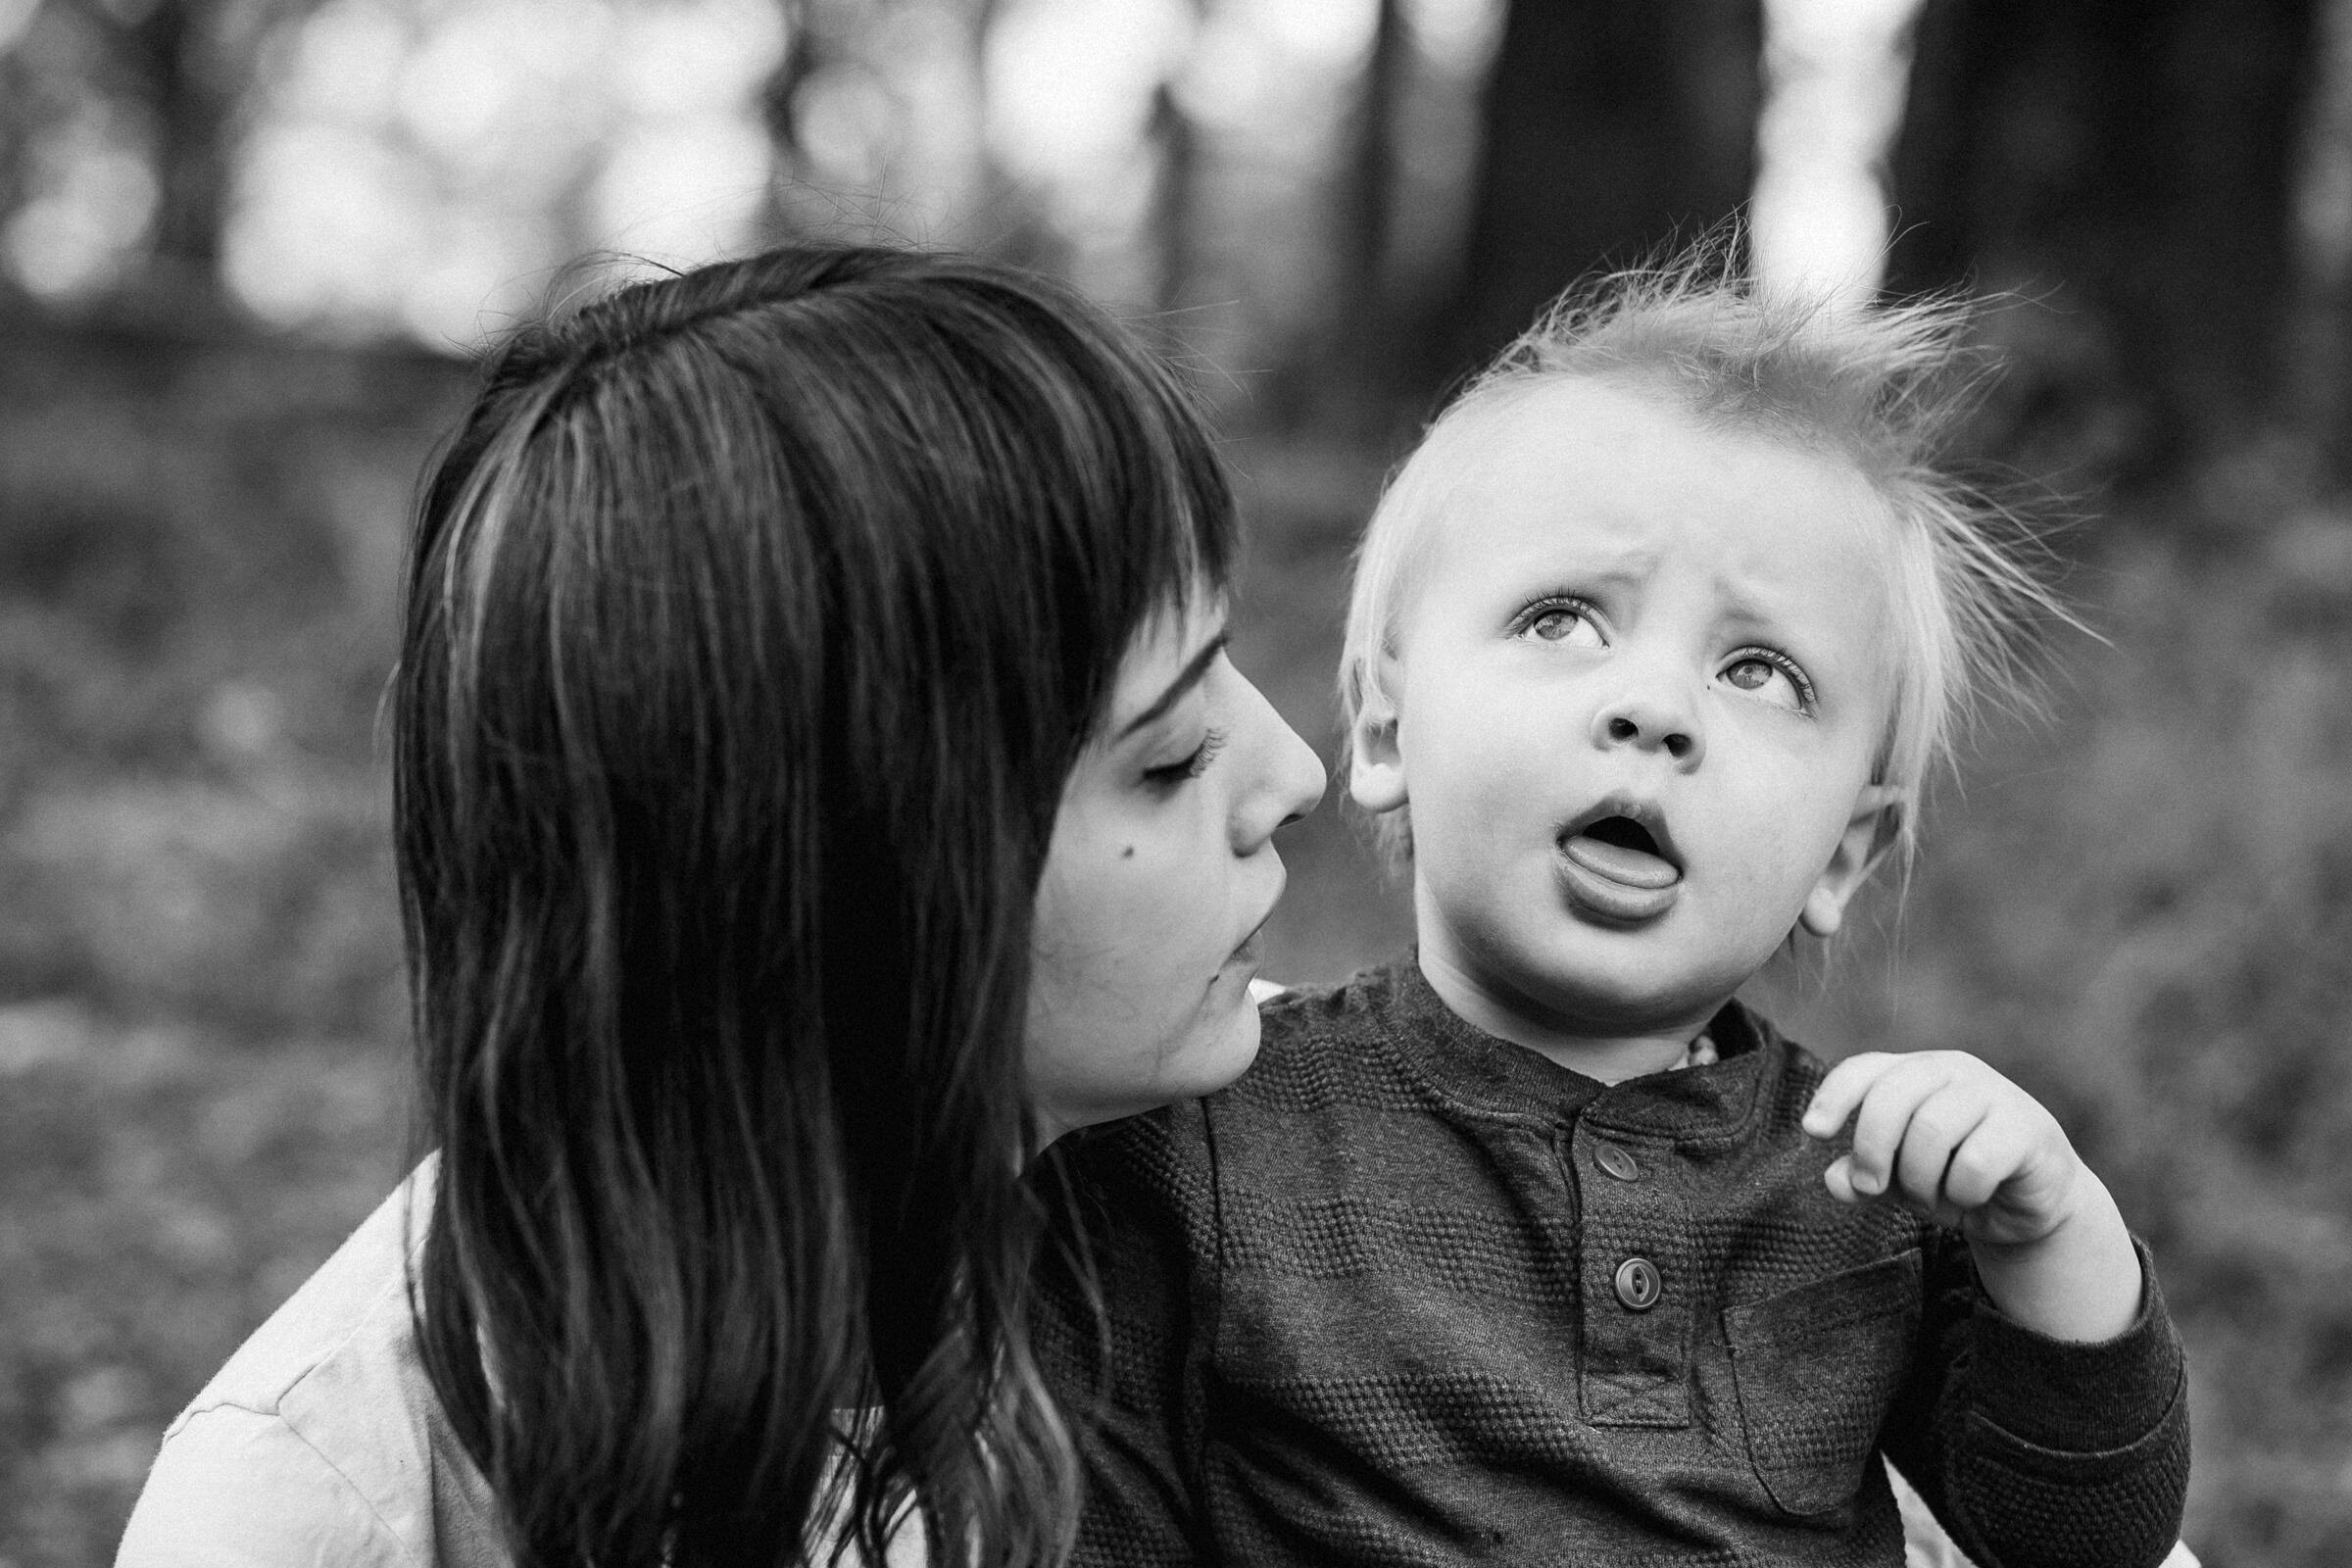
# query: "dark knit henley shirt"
(1408, 1294)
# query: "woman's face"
(1160, 874)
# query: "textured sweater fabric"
(1379, 1302)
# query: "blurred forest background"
(245, 246)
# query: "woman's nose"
(1654, 718)
(1287, 779)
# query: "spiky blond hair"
(1879, 387)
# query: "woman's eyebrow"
(1186, 679)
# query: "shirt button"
(1637, 1284)
(1616, 1161)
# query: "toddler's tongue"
(1636, 868)
(1617, 884)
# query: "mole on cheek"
(1127, 854)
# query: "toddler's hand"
(1951, 1139)
(1947, 1136)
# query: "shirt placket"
(1634, 1266)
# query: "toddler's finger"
(1939, 1125)
(1993, 1153)
(1885, 1118)
(1840, 1179)
(1843, 1089)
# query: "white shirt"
(322, 1439)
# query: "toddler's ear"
(1878, 813)
(1375, 766)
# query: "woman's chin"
(1228, 1039)
(1217, 1049)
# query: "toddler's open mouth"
(1616, 868)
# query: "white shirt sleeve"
(240, 1489)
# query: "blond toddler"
(1538, 1245)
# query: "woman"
(818, 783)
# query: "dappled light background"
(246, 247)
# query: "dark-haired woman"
(819, 783)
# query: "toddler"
(1537, 1246)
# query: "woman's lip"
(1250, 950)
(1615, 882)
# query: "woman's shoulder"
(349, 1318)
(321, 1438)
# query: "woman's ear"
(1375, 765)
(1874, 825)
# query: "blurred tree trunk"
(2130, 164)
(189, 70)
(1353, 369)
(2319, 379)
(1175, 219)
(175, 56)
(1363, 216)
(1612, 128)
(30, 107)
(779, 117)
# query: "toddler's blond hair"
(1879, 387)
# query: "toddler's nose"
(1650, 721)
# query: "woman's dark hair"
(755, 620)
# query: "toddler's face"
(1644, 673)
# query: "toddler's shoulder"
(1788, 1073)
(1317, 1072)
(1320, 1048)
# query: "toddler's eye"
(1773, 679)
(1564, 623)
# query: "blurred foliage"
(2164, 180)
(2139, 905)
(201, 1012)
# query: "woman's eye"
(1192, 766)
(1564, 623)
(1775, 680)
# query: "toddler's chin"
(1620, 1000)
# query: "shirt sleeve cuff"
(2073, 1397)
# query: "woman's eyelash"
(1192, 767)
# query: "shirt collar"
(1463, 1064)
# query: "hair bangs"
(1121, 452)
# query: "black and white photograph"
(1137, 783)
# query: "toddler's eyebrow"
(1187, 678)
